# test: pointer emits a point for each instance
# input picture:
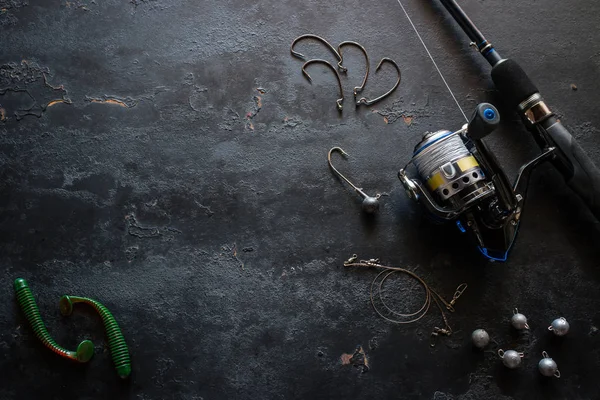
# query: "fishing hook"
(367, 102)
(370, 204)
(320, 39)
(360, 88)
(339, 101)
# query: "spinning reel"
(459, 179)
(463, 181)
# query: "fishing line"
(433, 61)
(453, 148)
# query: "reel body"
(459, 179)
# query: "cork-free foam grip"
(512, 82)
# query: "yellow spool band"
(467, 163)
(435, 181)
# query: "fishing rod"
(464, 182)
(519, 91)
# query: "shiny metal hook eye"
(320, 39)
(370, 204)
(339, 101)
(360, 88)
(368, 102)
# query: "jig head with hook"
(360, 88)
(370, 204)
(339, 101)
(368, 102)
(320, 39)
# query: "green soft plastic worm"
(84, 351)
(116, 341)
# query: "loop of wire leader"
(387, 313)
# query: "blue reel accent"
(489, 113)
(430, 143)
(498, 256)
(460, 227)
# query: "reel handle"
(579, 171)
(485, 119)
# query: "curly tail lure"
(26, 301)
(116, 341)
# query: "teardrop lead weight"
(510, 358)
(519, 321)
(560, 326)
(547, 366)
(480, 338)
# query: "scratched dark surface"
(168, 159)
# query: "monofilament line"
(433, 61)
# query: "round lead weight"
(370, 205)
(480, 338)
(519, 321)
(548, 367)
(510, 358)
(559, 326)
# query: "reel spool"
(458, 178)
(450, 171)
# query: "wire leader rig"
(459, 179)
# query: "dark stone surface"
(182, 181)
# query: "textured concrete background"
(173, 166)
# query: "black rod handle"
(582, 175)
(578, 169)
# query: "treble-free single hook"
(320, 39)
(360, 88)
(368, 102)
(370, 204)
(339, 101)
